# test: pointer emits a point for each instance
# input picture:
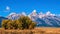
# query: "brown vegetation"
(22, 23)
(41, 30)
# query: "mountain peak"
(49, 14)
(13, 16)
(23, 13)
(34, 13)
(41, 15)
(34, 10)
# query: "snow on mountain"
(23, 13)
(13, 16)
(32, 15)
(41, 15)
(47, 20)
(49, 14)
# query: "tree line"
(24, 22)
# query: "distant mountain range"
(45, 20)
(42, 20)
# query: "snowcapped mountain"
(14, 16)
(42, 20)
(23, 13)
(47, 20)
(33, 14)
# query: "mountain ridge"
(42, 20)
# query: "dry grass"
(41, 30)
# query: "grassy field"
(40, 30)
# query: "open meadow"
(39, 30)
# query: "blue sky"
(27, 6)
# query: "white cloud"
(7, 8)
